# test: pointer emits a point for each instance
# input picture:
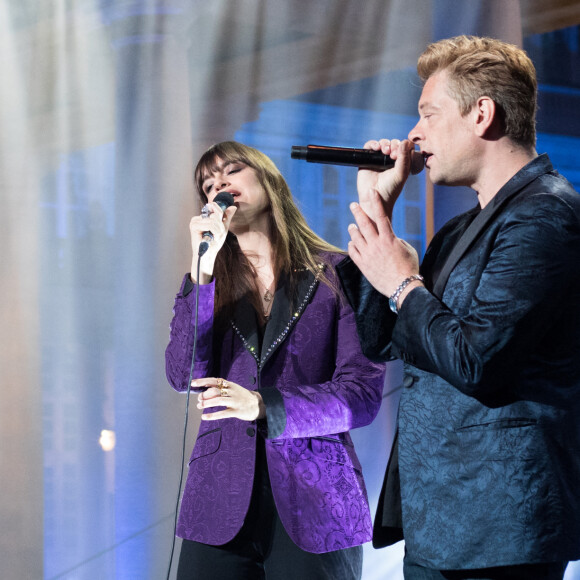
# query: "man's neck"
(499, 164)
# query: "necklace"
(267, 298)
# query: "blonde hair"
(485, 66)
(295, 245)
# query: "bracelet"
(393, 299)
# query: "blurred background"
(105, 106)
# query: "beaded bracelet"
(395, 296)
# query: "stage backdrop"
(105, 105)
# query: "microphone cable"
(224, 199)
(188, 392)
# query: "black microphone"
(361, 158)
(224, 199)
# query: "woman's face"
(242, 182)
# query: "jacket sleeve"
(179, 351)
(351, 398)
(374, 318)
(530, 275)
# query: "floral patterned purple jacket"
(316, 385)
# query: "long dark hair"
(296, 247)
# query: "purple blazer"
(316, 385)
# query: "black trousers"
(544, 571)
(263, 550)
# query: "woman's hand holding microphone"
(211, 228)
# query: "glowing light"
(107, 440)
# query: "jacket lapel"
(537, 167)
(245, 325)
(286, 311)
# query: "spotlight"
(107, 440)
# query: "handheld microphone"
(361, 158)
(224, 199)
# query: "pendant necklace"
(267, 298)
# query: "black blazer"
(489, 424)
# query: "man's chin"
(436, 178)
(439, 179)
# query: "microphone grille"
(417, 162)
(224, 199)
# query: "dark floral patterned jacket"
(489, 430)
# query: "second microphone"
(361, 158)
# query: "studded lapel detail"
(245, 324)
(286, 311)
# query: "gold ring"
(223, 386)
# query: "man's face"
(446, 138)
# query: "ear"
(484, 115)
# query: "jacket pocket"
(499, 439)
(207, 444)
